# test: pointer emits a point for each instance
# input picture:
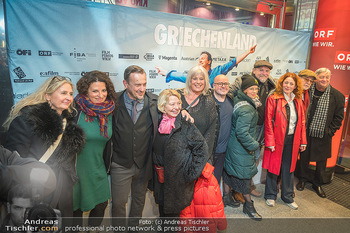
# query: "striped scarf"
(319, 119)
(91, 110)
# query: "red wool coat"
(275, 133)
(206, 204)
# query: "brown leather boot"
(238, 196)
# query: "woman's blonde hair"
(37, 97)
(194, 71)
(298, 86)
(164, 98)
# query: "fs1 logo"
(24, 52)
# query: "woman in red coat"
(284, 137)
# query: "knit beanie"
(248, 81)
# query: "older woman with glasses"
(41, 126)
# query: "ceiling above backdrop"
(250, 5)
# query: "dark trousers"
(219, 159)
(287, 185)
(304, 167)
(95, 216)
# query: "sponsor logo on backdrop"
(234, 73)
(148, 56)
(71, 73)
(150, 90)
(113, 74)
(161, 57)
(24, 52)
(245, 60)
(189, 58)
(84, 72)
(81, 56)
(324, 37)
(48, 73)
(267, 59)
(219, 59)
(20, 96)
(128, 56)
(290, 61)
(106, 55)
(279, 72)
(21, 75)
(277, 61)
(48, 53)
(200, 38)
(324, 34)
(296, 61)
(44, 53)
(153, 74)
(342, 57)
(258, 58)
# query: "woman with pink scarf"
(180, 153)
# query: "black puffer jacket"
(185, 155)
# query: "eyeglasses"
(308, 80)
(222, 84)
(59, 78)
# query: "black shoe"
(300, 185)
(319, 191)
(228, 201)
(248, 209)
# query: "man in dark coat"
(325, 116)
(135, 122)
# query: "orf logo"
(24, 52)
(342, 57)
(324, 34)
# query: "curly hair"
(96, 76)
(298, 89)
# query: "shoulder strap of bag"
(194, 101)
(53, 147)
(240, 104)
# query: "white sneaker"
(270, 202)
(292, 205)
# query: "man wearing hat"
(307, 78)
(261, 72)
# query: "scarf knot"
(166, 125)
(91, 110)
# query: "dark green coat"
(239, 159)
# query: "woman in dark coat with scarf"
(179, 155)
(285, 136)
(95, 105)
(240, 164)
(36, 123)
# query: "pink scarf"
(166, 125)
